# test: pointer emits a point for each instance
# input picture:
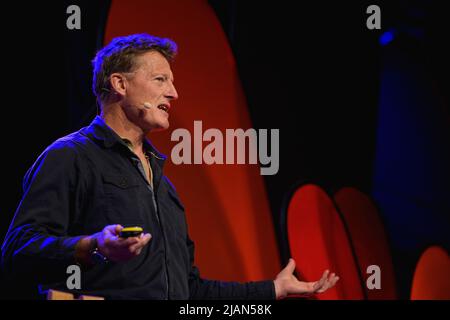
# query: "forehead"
(154, 62)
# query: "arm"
(211, 289)
(37, 247)
(285, 284)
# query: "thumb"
(117, 229)
(290, 266)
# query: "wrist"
(279, 291)
(83, 250)
(96, 256)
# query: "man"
(86, 187)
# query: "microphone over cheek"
(147, 105)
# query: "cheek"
(141, 89)
(145, 92)
(154, 113)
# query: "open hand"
(287, 284)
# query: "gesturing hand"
(287, 284)
(119, 249)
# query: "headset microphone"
(147, 105)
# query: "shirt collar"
(108, 137)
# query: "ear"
(118, 83)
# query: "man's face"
(151, 82)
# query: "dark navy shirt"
(86, 181)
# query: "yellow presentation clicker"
(131, 232)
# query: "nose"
(172, 93)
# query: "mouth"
(164, 107)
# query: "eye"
(161, 79)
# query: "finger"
(143, 238)
(110, 229)
(316, 286)
(321, 282)
(334, 281)
(138, 246)
(117, 229)
(327, 283)
(331, 281)
(132, 240)
(324, 277)
(146, 238)
(323, 288)
(141, 243)
(126, 242)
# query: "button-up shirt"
(86, 181)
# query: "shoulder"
(58, 161)
(63, 148)
(68, 146)
(64, 152)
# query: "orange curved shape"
(318, 241)
(369, 239)
(431, 279)
(226, 205)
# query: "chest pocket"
(119, 181)
(125, 200)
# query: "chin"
(160, 126)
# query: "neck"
(117, 120)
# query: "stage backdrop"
(226, 205)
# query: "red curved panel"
(226, 205)
(318, 241)
(369, 239)
(431, 279)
